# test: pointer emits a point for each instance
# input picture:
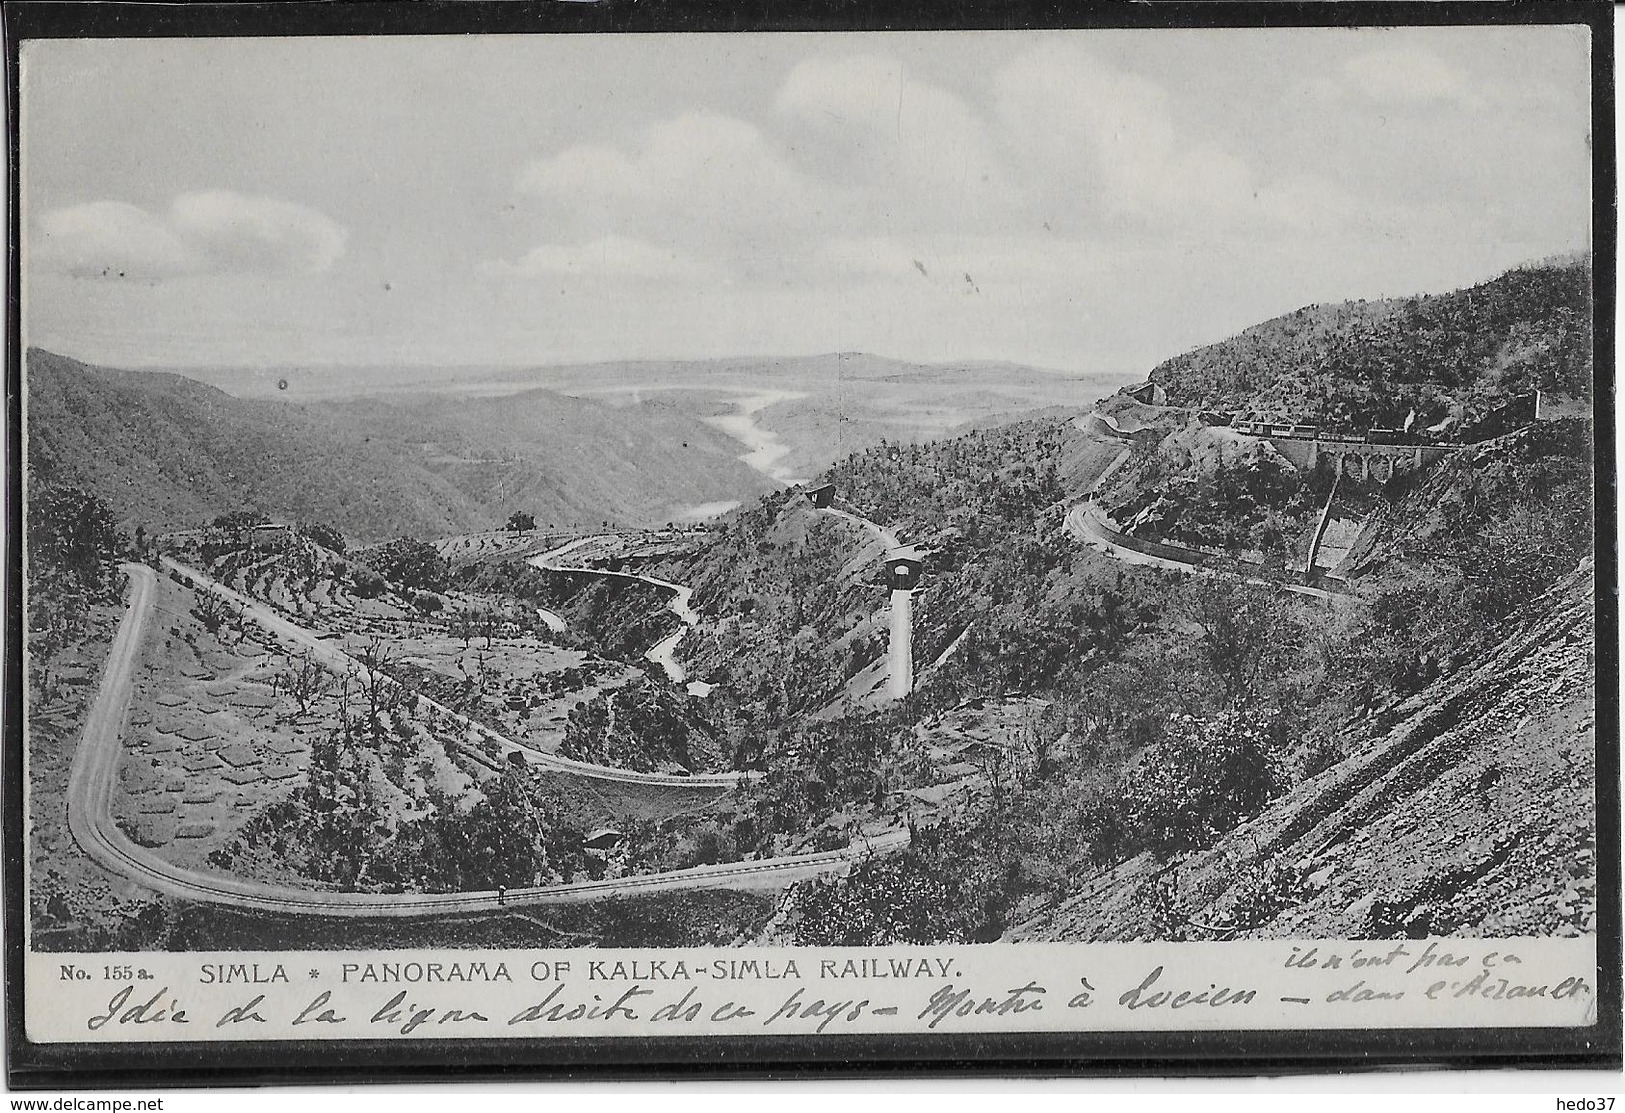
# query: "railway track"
(89, 799)
(335, 659)
(1085, 522)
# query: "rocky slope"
(1468, 492)
(1467, 809)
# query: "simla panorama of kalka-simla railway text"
(831, 490)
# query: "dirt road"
(879, 532)
(663, 652)
(1084, 521)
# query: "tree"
(339, 828)
(521, 522)
(1202, 780)
(324, 535)
(411, 563)
(922, 895)
(382, 693)
(51, 617)
(240, 519)
(465, 625)
(72, 532)
(344, 697)
(303, 680)
(1523, 549)
(1242, 629)
(209, 609)
(994, 762)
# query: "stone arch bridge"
(1358, 459)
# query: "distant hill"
(816, 373)
(828, 406)
(1358, 363)
(166, 451)
(569, 461)
(818, 408)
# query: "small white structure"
(903, 568)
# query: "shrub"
(917, 896)
(240, 519)
(1266, 889)
(1319, 756)
(1203, 779)
(73, 537)
(324, 535)
(411, 564)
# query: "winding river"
(766, 449)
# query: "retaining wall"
(1200, 558)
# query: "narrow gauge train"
(1314, 432)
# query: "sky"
(1087, 201)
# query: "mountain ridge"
(1358, 363)
(292, 381)
(166, 451)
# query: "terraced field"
(308, 584)
(203, 749)
(520, 684)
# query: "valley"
(456, 663)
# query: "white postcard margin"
(1024, 988)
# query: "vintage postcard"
(1057, 536)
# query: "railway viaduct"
(1355, 459)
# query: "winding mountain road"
(1103, 425)
(663, 652)
(879, 532)
(1086, 521)
(89, 800)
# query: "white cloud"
(698, 170)
(1111, 139)
(854, 147)
(1406, 74)
(214, 232)
(113, 239)
(584, 171)
(612, 257)
(1157, 189)
(257, 235)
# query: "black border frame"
(33, 1066)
